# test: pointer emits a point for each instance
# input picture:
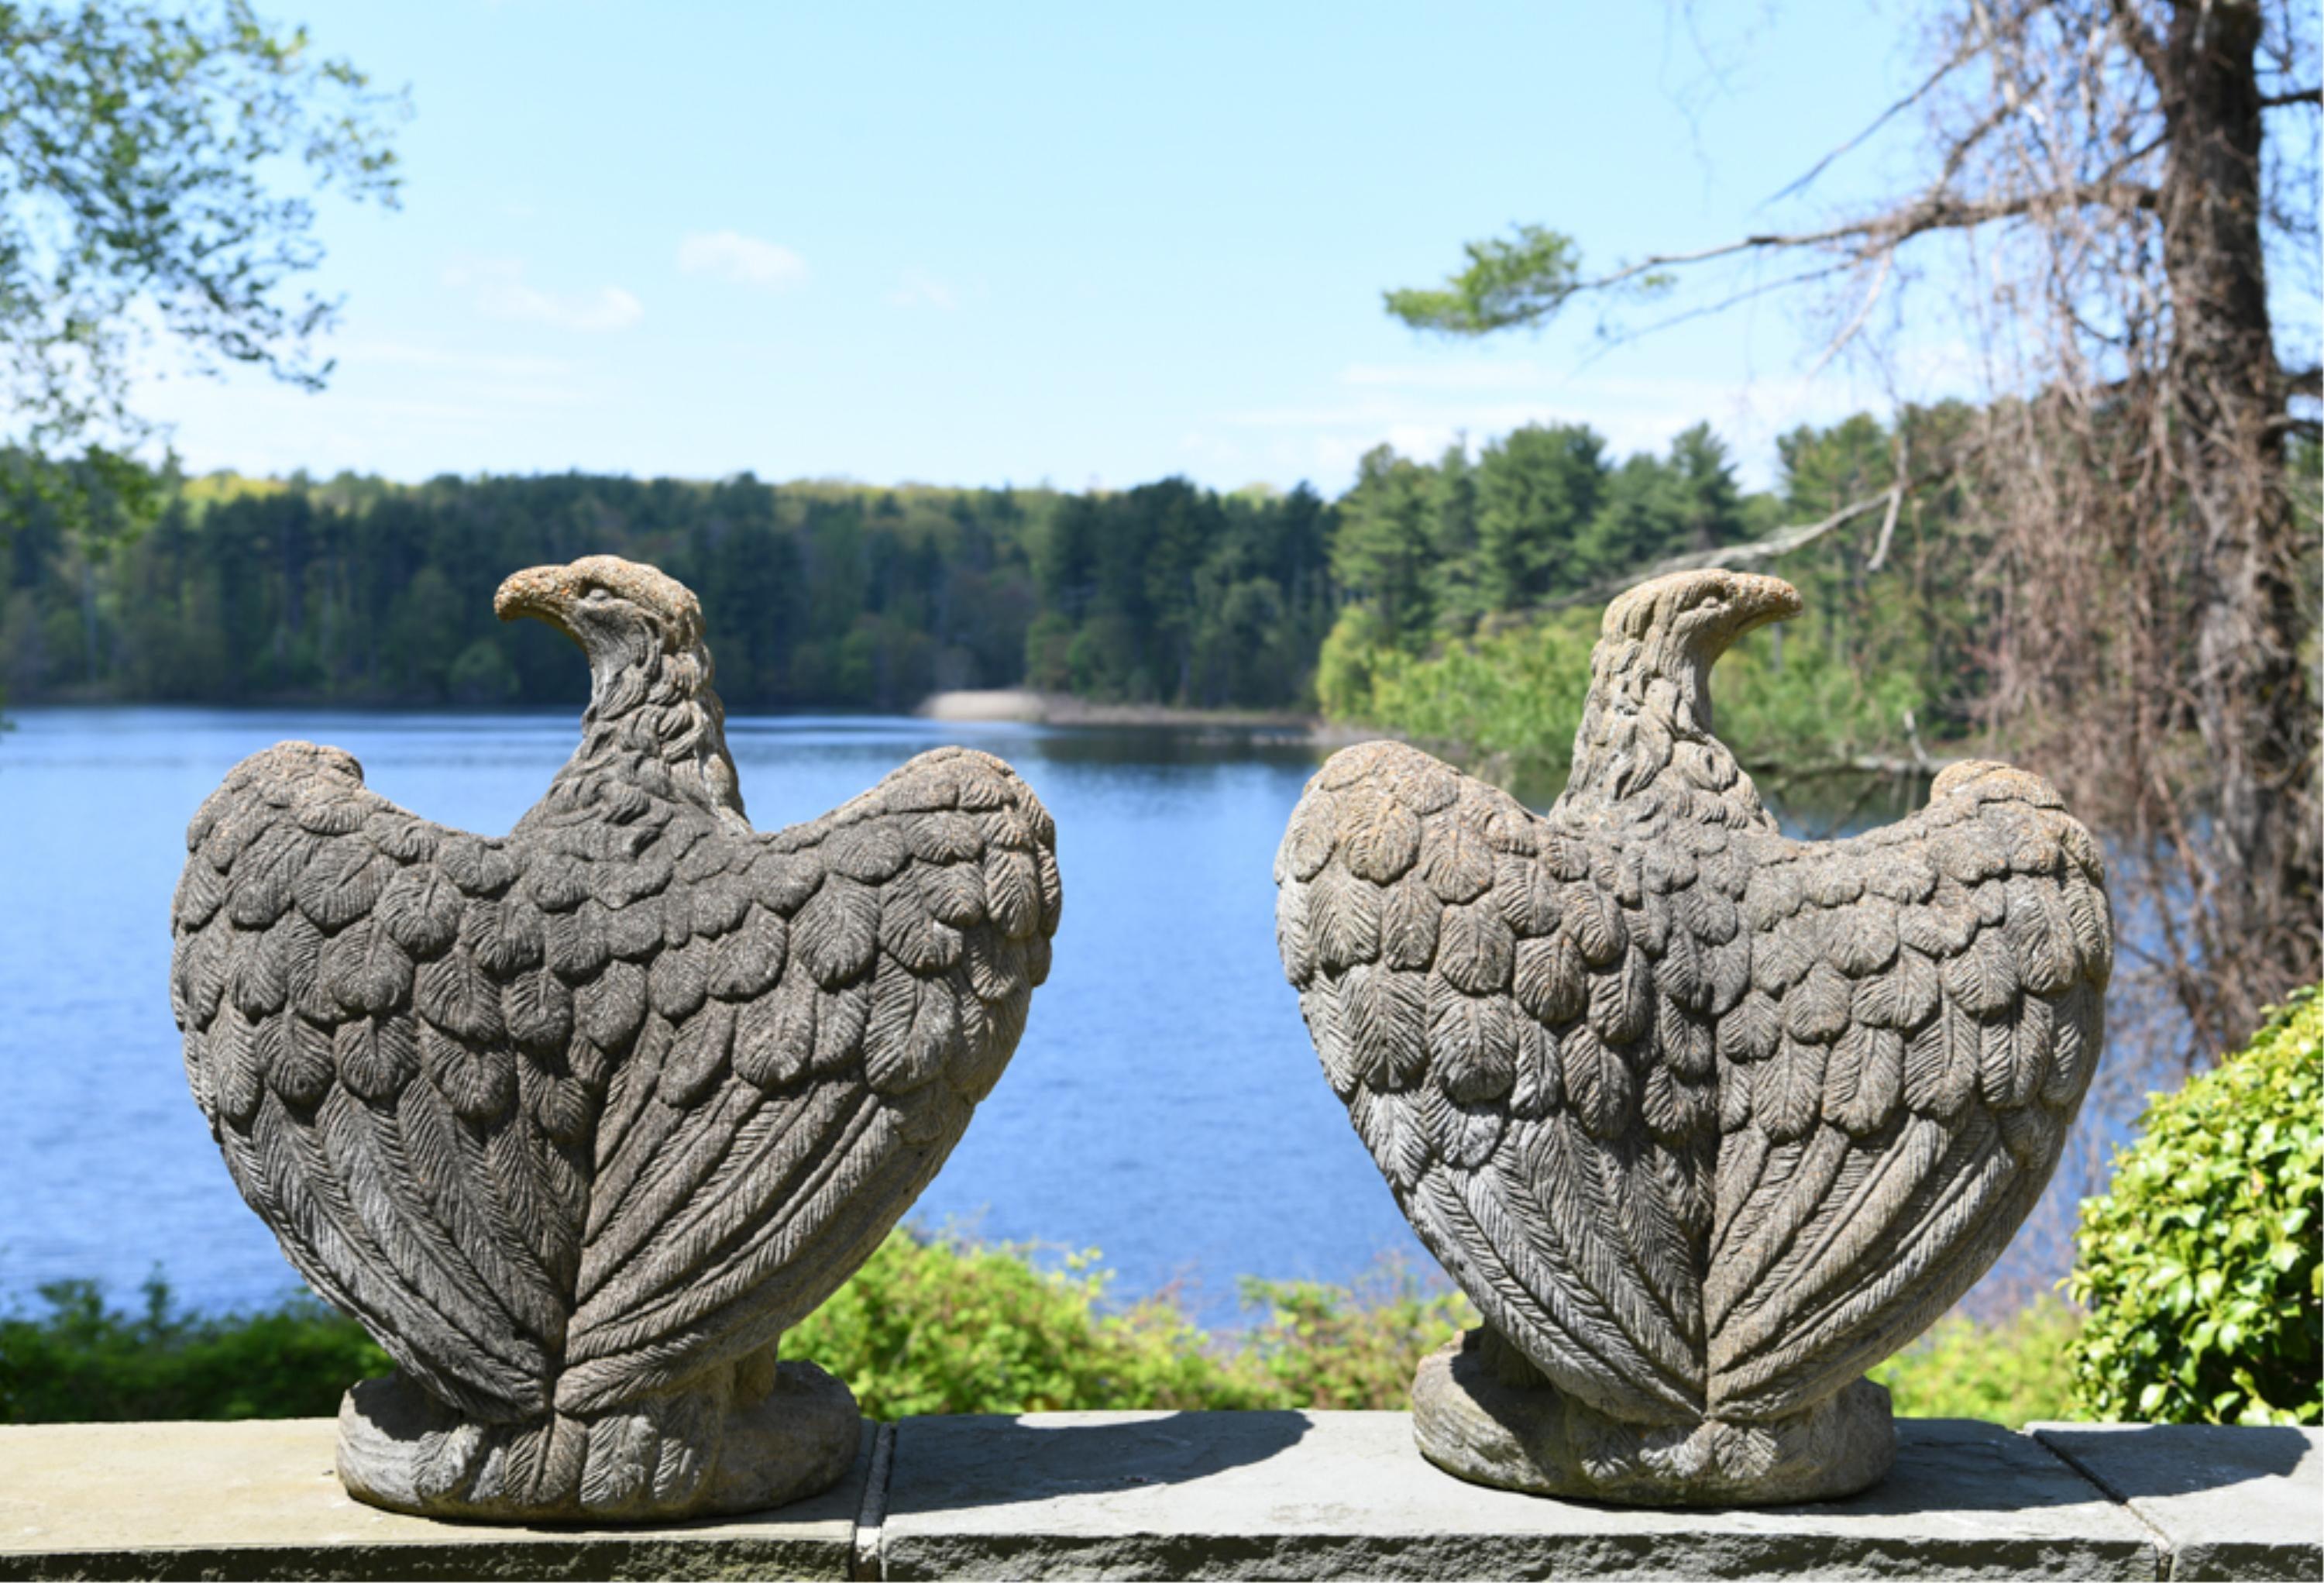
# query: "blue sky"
(1010, 243)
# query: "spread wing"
(1924, 1016)
(1500, 1001)
(571, 1117)
(344, 974)
(826, 1006)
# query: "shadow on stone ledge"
(1963, 1464)
(946, 1464)
(2152, 1460)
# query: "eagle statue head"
(1701, 612)
(641, 633)
(614, 610)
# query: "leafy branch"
(140, 153)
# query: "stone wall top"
(1172, 1495)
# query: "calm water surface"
(1165, 1106)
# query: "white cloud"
(499, 289)
(747, 260)
(918, 288)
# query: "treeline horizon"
(358, 590)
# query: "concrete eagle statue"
(1706, 1121)
(577, 1121)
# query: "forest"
(2106, 566)
(837, 595)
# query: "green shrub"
(2012, 1373)
(2199, 1266)
(1347, 1347)
(1511, 700)
(1344, 666)
(81, 1361)
(941, 1324)
(930, 1324)
(1812, 711)
(938, 1324)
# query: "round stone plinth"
(710, 1452)
(1533, 1438)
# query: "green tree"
(928, 1325)
(1381, 553)
(2013, 1373)
(1635, 521)
(155, 168)
(1651, 507)
(815, 593)
(1180, 526)
(2111, 181)
(1707, 505)
(153, 163)
(1048, 648)
(1537, 488)
(1347, 666)
(1458, 583)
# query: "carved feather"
(1763, 1108)
(577, 1116)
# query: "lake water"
(1165, 1106)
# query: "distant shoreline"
(976, 706)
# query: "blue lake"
(1165, 1106)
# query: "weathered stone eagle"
(578, 1120)
(1705, 1120)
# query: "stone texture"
(2230, 1501)
(796, 1439)
(579, 1120)
(258, 1500)
(1308, 1495)
(1529, 1437)
(1706, 1121)
(1198, 1494)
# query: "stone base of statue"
(1482, 1412)
(762, 1434)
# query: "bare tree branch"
(1896, 506)
(1783, 541)
(1863, 311)
(1940, 211)
(1928, 85)
(2119, 527)
(2141, 39)
(1610, 338)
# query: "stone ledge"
(2229, 1502)
(1219, 1495)
(262, 1500)
(1303, 1495)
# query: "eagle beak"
(541, 593)
(1764, 599)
